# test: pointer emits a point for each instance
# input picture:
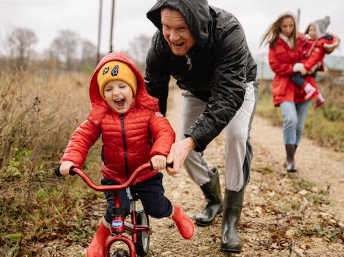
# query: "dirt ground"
(283, 215)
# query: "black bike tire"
(142, 245)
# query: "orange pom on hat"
(116, 70)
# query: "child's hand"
(315, 67)
(158, 162)
(64, 168)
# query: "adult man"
(205, 50)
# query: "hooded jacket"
(215, 70)
(314, 50)
(128, 140)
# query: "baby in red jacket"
(133, 132)
(320, 43)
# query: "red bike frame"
(119, 226)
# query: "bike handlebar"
(74, 170)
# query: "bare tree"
(89, 55)
(138, 50)
(20, 42)
(65, 48)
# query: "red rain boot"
(319, 102)
(97, 246)
(183, 222)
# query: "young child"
(133, 132)
(319, 44)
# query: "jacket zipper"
(125, 147)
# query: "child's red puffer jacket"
(129, 139)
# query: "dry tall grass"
(38, 113)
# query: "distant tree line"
(67, 52)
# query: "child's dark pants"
(150, 192)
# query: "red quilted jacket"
(314, 51)
(282, 59)
(130, 139)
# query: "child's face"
(312, 32)
(119, 95)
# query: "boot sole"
(229, 250)
(205, 224)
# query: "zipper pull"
(188, 61)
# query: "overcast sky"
(47, 17)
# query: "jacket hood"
(100, 106)
(320, 26)
(195, 12)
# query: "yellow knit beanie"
(116, 70)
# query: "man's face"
(176, 32)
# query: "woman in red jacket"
(285, 47)
(133, 132)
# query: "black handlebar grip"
(71, 171)
(57, 171)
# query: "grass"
(38, 113)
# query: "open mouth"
(178, 45)
(119, 103)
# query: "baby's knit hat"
(321, 26)
(116, 70)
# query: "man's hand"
(158, 162)
(178, 153)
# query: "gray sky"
(47, 17)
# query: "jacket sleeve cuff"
(199, 146)
(297, 67)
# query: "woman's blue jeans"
(294, 117)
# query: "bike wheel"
(142, 245)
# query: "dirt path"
(320, 165)
(277, 218)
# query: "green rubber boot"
(212, 193)
(230, 241)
